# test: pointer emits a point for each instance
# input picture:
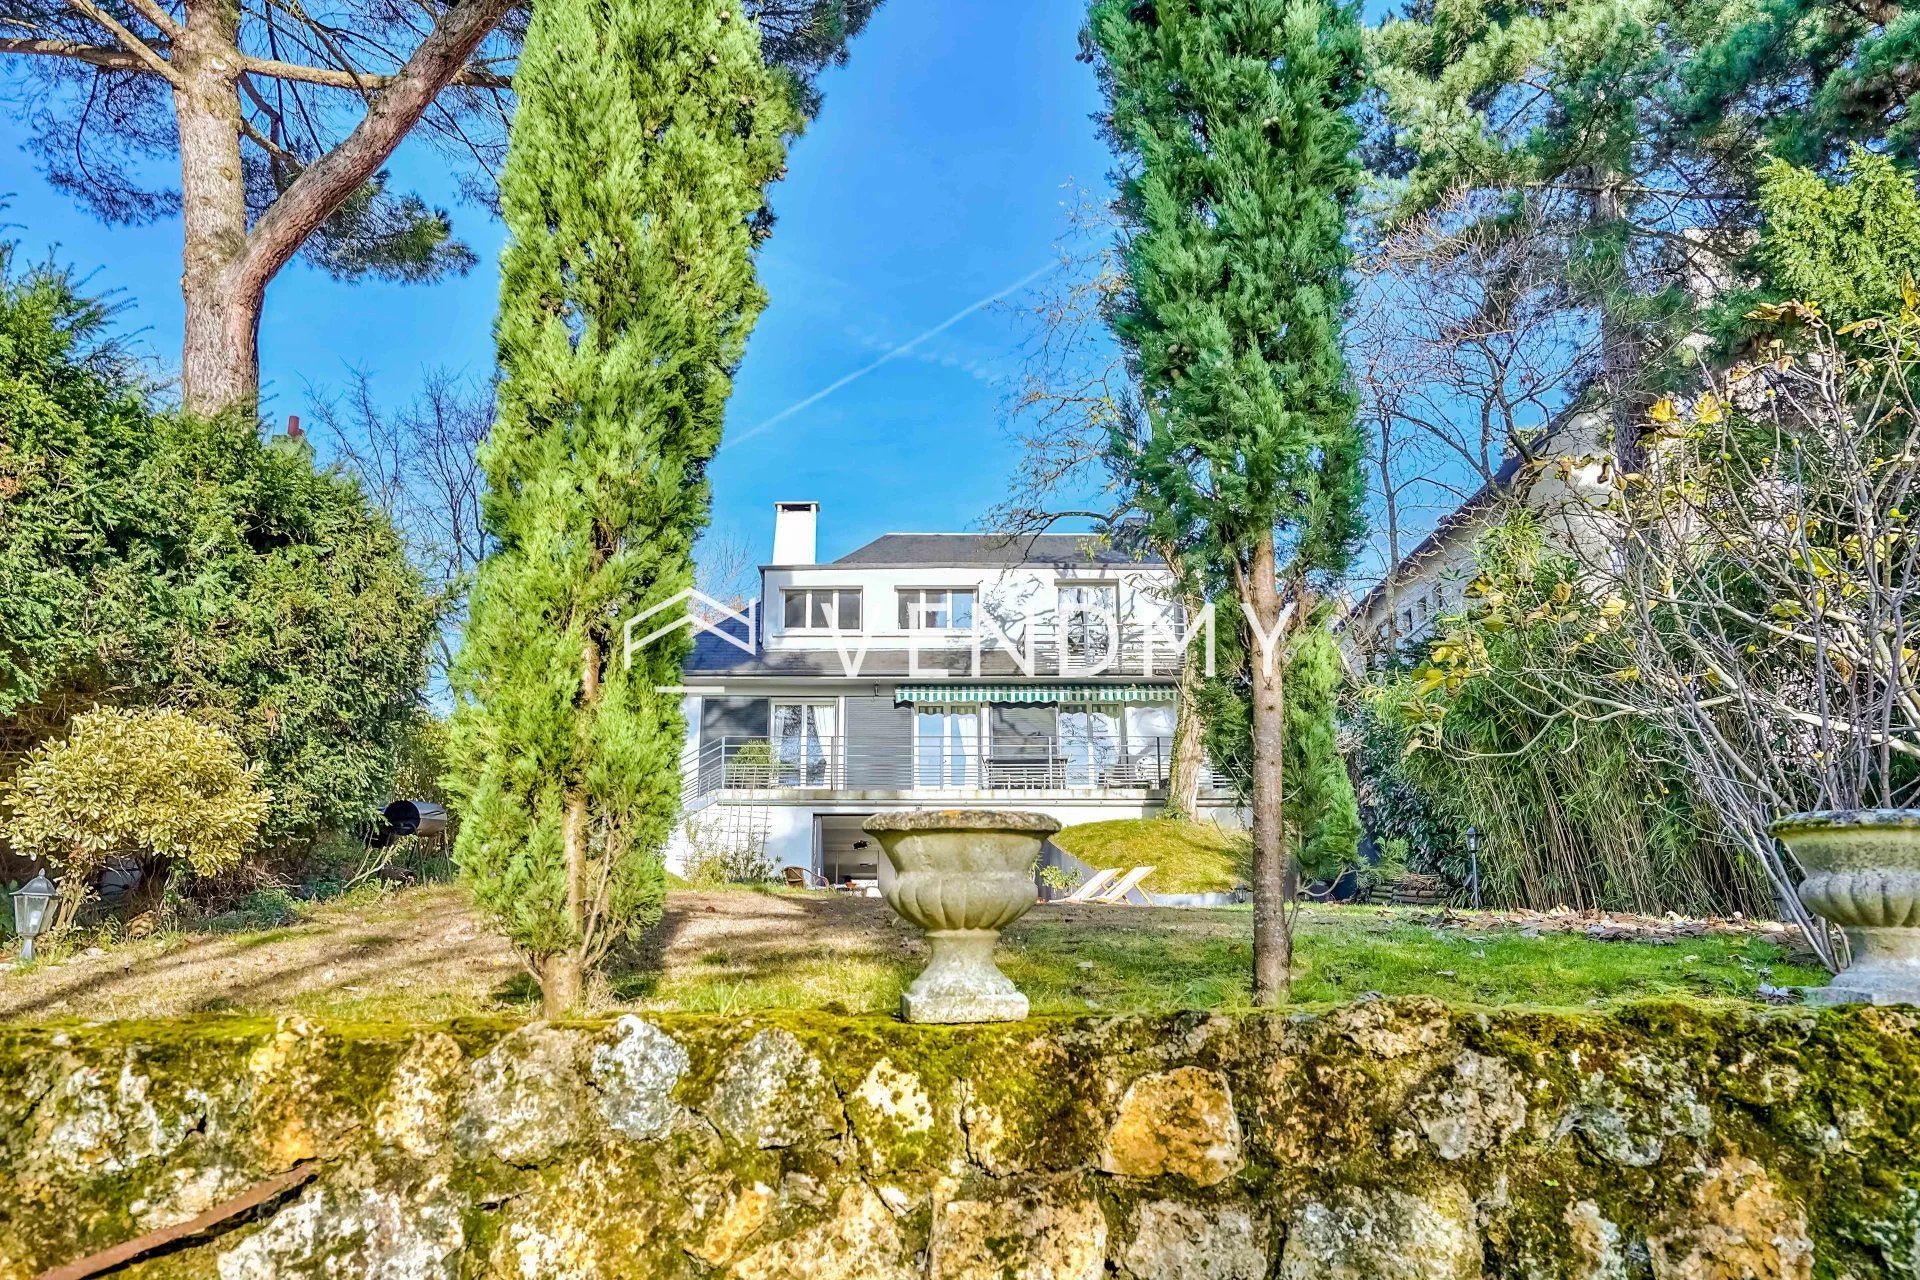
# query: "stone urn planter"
(962, 875)
(1863, 873)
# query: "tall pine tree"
(1233, 117)
(1567, 107)
(646, 134)
(1807, 79)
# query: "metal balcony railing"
(741, 765)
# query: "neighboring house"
(929, 670)
(1430, 581)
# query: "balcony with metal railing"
(757, 768)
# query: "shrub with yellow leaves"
(155, 787)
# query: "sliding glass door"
(1089, 743)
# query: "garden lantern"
(1473, 863)
(30, 902)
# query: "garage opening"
(849, 857)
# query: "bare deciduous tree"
(420, 465)
(1470, 323)
(1074, 396)
(726, 569)
(1465, 344)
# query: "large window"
(946, 747)
(936, 609)
(821, 608)
(1088, 613)
(803, 744)
(1090, 744)
(1149, 735)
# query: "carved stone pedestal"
(1863, 870)
(962, 875)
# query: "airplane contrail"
(890, 354)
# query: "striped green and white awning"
(952, 693)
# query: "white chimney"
(793, 529)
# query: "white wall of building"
(1433, 586)
(1011, 598)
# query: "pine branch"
(93, 55)
(327, 182)
(336, 78)
(139, 48)
(160, 18)
(137, 55)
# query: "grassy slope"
(1187, 857)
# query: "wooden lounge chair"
(1122, 890)
(1091, 885)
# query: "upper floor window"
(821, 608)
(936, 609)
(1087, 613)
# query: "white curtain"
(803, 742)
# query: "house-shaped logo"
(697, 611)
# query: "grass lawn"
(1088, 960)
(1187, 857)
(423, 953)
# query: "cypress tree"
(1233, 116)
(646, 133)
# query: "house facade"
(1563, 486)
(929, 670)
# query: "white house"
(930, 670)
(1429, 582)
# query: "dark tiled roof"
(993, 550)
(713, 652)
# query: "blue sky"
(935, 179)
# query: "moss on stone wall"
(1386, 1139)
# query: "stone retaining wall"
(1385, 1141)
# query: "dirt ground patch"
(426, 953)
(427, 942)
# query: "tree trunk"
(1272, 921)
(226, 266)
(573, 838)
(151, 889)
(564, 994)
(1390, 512)
(219, 358)
(1187, 751)
(560, 983)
